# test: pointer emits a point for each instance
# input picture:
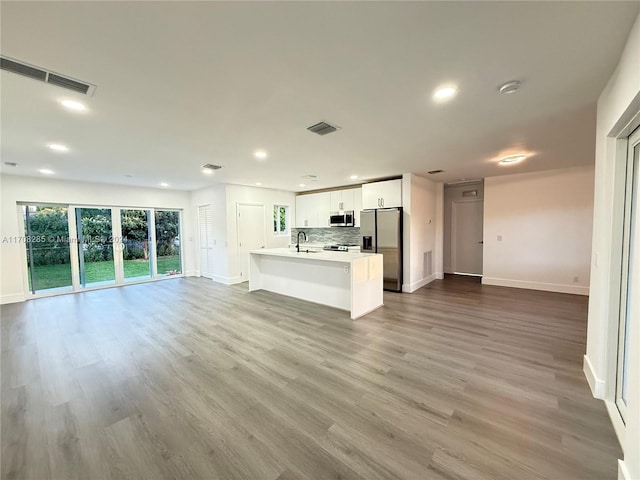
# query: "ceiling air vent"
(433, 172)
(68, 83)
(21, 68)
(322, 128)
(211, 166)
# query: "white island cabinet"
(349, 281)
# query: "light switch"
(499, 238)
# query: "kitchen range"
(343, 247)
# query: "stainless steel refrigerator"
(381, 231)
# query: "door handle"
(480, 241)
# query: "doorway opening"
(463, 228)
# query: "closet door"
(205, 225)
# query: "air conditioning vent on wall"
(322, 128)
(21, 68)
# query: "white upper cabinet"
(302, 202)
(312, 210)
(319, 209)
(343, 199)
(384, 194)
(357, 206)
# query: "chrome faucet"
(306, 239)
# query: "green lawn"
(54, 276)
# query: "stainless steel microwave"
(344, 219)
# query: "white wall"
(267, 197)
(422, 231)
(224, 199)
(617, 106)
(545, 220)
(216, 196)
(40, 190)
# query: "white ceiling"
(180, 84)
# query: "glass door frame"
(151, 239)
(117, 244)
(631, 201)
(75, 256)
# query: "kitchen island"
(349, 281)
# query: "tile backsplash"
(329, 236)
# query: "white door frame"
(454, 234)
(264, 228)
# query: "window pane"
(135, 235)
(168, 242)
(275, 218)
(95, 246)
(283, 219)
(48, 247)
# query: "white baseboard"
(227, 280)
(623, 472)
(439, 275)
(616, 421)
(547, 287)
(192, 273)
(13, 298)
(412, 287)
(597, 385)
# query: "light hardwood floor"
(188, 379)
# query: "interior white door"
(205, 226)
(466, 237)
(251, 234)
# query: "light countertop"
(324, 255)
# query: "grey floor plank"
(188, 379)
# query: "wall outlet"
(499, 238)
(576, 279)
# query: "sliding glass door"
(94, 227)
(137, 244)
(46, 238)
(167, 233)
(77, 247)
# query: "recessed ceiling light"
(509, 87)
(444, 93)
(73, 105)
(353, 177)
(303, 185)
(260, 154)
(511, 159)
(46, 171)
(58, 147)
(164, 184)
(258, 183)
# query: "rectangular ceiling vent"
(323, 128)
(211, 166)
(433, 172)
(21, 68)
